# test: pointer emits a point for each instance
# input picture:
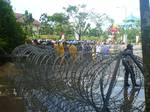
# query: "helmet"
(129, 46)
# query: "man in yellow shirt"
(73, 52)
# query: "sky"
(116, 9)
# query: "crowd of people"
(89, 50)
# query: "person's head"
(64, 43)
(130, 47)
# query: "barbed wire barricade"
(55, 83)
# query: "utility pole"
(145, 36)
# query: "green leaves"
(28, 23)
(79, 19)
(132, 28)
(11, 34)
(75, 21)
(55, 24)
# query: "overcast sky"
(116, 9)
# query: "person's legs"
(133, 76)
(126, 76)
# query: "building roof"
(36, 22)
(18, 15)
(19, 18)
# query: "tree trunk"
(79, 36)
(145, 36)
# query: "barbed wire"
(92, 82)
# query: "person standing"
(128, 65)
(105, 50)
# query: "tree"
(145, 35)
(79, 18)
(28, 23)
(46, 27)
(60, 23)
(131, 27)
(101, 21)
(93, 32)
(55, 24)
(11, 34)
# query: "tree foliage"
(79, 18)
(11, 34)
(55, 24)
(28, 23)
(101, 22)
(131, 27)
(60, 23)
(75, 22)
(46, 26)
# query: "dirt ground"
(9, 103)
(8, 69)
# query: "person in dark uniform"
(128, 65)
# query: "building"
(36, 23)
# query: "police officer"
(128, 65)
